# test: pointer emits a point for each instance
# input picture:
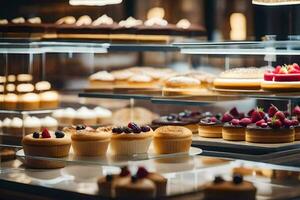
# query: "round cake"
(235, 129)
(210, 127)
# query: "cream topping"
(18, 20)
(58, 113)
(43, 85)
(28, 97)
(16, 122)
(102, 75)
(49, 96)
(184, 24)
(6, 122)
(24, 77)
(10, 87)
(84, 20)
(102, 112)
(69, 112)
(11, 97)
(3, 21)
(66, 20)
(84, 113)
(25, 87)
(130, 22)
(11, 78)
(32, 122)
(156, 21)
(184, 79)
(140, 78)
(104, 19)
(49, 122)
(35, 20)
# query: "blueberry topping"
(127, 130)
(218, 179)
(36, 135)
(59, 134)
(109, 177)
(145, 128)
(237, 179)
(80, 127)
(137, 130)
(117, 130)
(134, 179)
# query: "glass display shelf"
(288, 48)
(27, 112)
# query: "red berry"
(277, 123)
(286, 113)
(277, 69)
(235, 122)
(241, 115)
(213, 119)
(142, 172)
(279, 115)
(250, 112)
(46, 134)
(272, 110)
(234, 112)
(295, 122)
(263, 125)
(124, 171)
(245, 121)
(227, 117)
(258, 123)
(296, 110)
(255, 116)
(287, 122)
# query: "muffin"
(85, 116)
(49, 100)
(6, 125)
(10, 101)
(16, 126)
(104, 116)
(46, 144)
(49, 123)
(172, 139)
(131, 140)
(90, 142)
(31, 124)
(28, 100)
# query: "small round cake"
(49, 100)
(102, 79)
(6, 125)
(29, 101)
(10, 101)
(237, 189)
(131, 140)
(46, 144)
(87, 141)
(210, 127)
(181, 85)
(85, 116)
(235, 129)
(172, 139)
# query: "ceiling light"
(275, 2)
(93, 2)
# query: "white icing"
(184, 79)
(102, 75)
(32, 122)
(43, 85)
(69, 112)
(104, 19)
(66, 20)
(84, 113)
(11, 97)
(84, 20)
(16, 122)
(24, 77)
(140, 78)
(183, 23)
(102, 112)
(25, 87)
(6, 122)
(49, 96)
(49, 122)
(18, 20)
(58, 113)
(130, 22)
(28, 97)
(3, 21)
(10, 87)
(35, 20)
(156, 21)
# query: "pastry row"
(14, 126)
(280, 78)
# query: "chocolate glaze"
(254, 127)
(229, 125)
(207, 122)
(176, 120)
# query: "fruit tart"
(283, 78)
(211, 127)
(235, 129)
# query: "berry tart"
(133, 139)
(295, 122)
(283, 78)
(46, 144)
(172, 139)
(211, 127)
(106, 184)
(87, 141)
(277, 129)
(235, 129)
(237, 189)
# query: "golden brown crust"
(281, 135)
(213, 131)
(233, 133)
(53, 141)
(90, 135)
(172, 132)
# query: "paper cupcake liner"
(90, 148)
(165, 146)
(129, 147)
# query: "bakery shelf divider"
(26, 112)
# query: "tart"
(87, 141)
(283, 78)
(131, 140)
(172, 139)
(210, 127)
(235, 129)
(237, 189)
(46, 144)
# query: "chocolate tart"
(192, 31)
(258, 134)
(233, 132)
(209, 129)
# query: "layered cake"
(283, 78)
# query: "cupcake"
(49, 100)
(46, 144)
(28, 100)
(31, 124)
(49, 123)
(10, 101)
(6, 125)
(87, 141)
(104, 116)
(131, 140)
(16, 126)
(64, 116)
(85, 116)
(172, 139)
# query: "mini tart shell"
(269, 135)
(210, 130)
(172, 139)
(233, 133)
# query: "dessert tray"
(109, 159)
(218, 144)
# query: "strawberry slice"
(277, 69)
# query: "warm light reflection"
(238, 26)
(156, 12)
(93, 2)
(275, 2)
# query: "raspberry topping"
(124, 172)
(235, 122)
(227, 117)
(245, 121)
(272, 110)
(279, 115)
(296, 110)
(142, 172)
(46, 134)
